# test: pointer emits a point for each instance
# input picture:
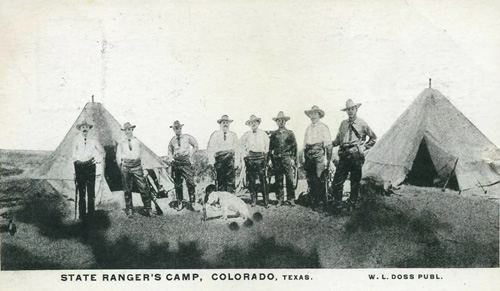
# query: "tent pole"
(430, 82)
(451, 173)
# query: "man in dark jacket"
(283, 150)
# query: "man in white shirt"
(181, 150)
(128, 158)
(255, 145)
(86, 153)
(222, 151)
(317, 155)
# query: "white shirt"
(128, 149)
(317, 133)
(85, 149)
(181, 146)
(257, 141)
(217, 143)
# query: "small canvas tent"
(58, 168)
(432, 141)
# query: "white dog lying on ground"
(227, 202)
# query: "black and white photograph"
(249, 144)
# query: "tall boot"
(266, 199)
(254, 198)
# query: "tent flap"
(449, 137)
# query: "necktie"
(225, 135)
(85, 142)
(350, 131)
(129, 144)
(179, 141)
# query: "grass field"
(420, 227)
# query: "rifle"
(153, 196)
(327, 175)
(241, 179)
(265, 194)
(157, 207)
(214, 173)
(295, 169)
(204, 211)
(76, 197)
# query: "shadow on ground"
(50, 215)
(377, 220)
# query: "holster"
(351, 152)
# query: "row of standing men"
(226, 153)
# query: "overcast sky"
(151, 63)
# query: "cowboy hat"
(176, 124)
(349, 104)
(78, 126)
(224, 118)
(281, 115)
(315, 109)
(127, 125)
(252, 119)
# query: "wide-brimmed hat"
(252, 119)
(78, 126)
(281, 115)
(349, 104)
(176, 124)
(127, 125)
(224, 118)
(315, 109)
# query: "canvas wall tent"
(58, 168)
(432, 141)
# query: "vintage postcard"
(249, 144)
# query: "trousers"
(224, 166)
(85, 179)
(348, 163)
(283, 167)
(130, 174)
(182, 169)
(256, 169)
(315, 167)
